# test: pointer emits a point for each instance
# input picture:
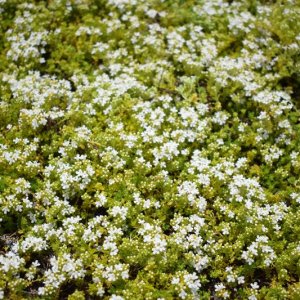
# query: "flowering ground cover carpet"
(149, 149)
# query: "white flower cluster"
(152, 234)
(186, 281)
(63, 268)
(260, 246)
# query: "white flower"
(219, 287)
(101, 200)
(115, 297)
(254, 285)
(119, 210)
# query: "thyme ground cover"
(149, 149)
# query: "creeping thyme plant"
(149, 149)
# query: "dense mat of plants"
(149, 149)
